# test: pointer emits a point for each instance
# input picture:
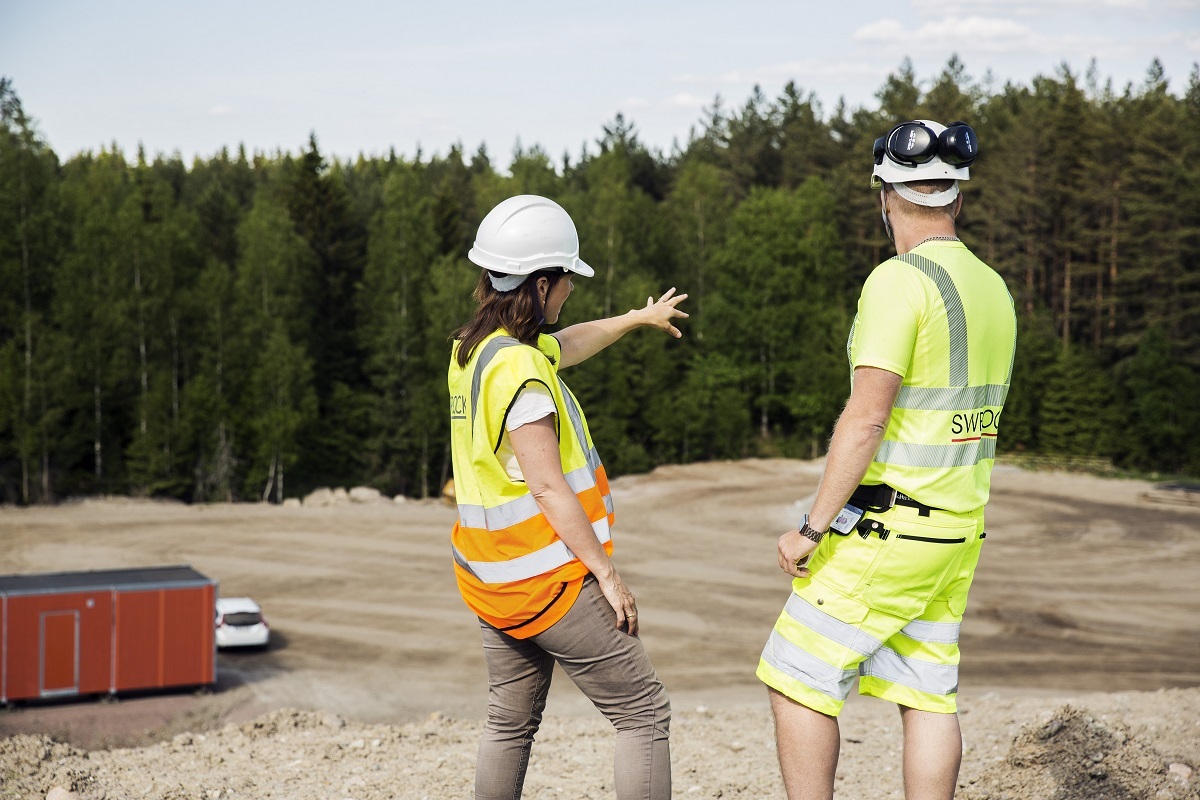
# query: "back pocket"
(921, 557)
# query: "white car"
(240, 623)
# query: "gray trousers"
(610, 667)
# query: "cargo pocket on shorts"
(956, 590)
(922, 557)
(846, 563)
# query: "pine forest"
(250, 326)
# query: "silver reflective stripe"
(964, 454)
(580, 480)
(530, 565)
(955, 315)
(592, 454)
(461, 560)
(521, 509)
(593, 457)
(472, 516)
(850, 343)
(1013, 358)
(502, 516)
(485, 357)
(831, 628)
(924, 676)
(584, 478)
(958, 398)
(936, 632)
(807, 668)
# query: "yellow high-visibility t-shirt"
(944, 321)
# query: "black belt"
(879, 497)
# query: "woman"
(532, 544)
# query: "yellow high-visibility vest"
(513, 570)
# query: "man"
(883, 561)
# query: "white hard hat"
(524, 234)
(924, 150)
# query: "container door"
(60, 653)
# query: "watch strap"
(809, 532)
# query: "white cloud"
(634, 103)
(687, 100)
(986, 34)
(221, 111)
(803, 72)
(1040, 7)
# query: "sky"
(366, 77)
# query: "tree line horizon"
(251, 327)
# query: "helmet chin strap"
(887, 224)
(539, 307)
(540, 310)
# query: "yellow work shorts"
(886, 611)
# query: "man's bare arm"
(856, 439)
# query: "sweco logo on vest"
(971, 426)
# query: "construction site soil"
(1080, 675)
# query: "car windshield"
(243, 618)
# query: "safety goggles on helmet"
(912, 143)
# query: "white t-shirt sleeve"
(533, 403)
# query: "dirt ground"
(1086, 596)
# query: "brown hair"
(519, 312)
(911, 209)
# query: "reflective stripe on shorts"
(924, 676)
(856, 613)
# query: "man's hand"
(794, 551)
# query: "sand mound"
(1074, 756)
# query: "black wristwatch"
(809, 532)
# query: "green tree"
(30, 237)
(406, 380)
(91, 296)
(1156, 276)
(320, 208)
(699, 206)
(1077, 412)
(1160, 391)
(285, 403)
(775, 312)
(280, 401)
(160, 238)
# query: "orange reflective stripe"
(602, 479)
(593, 504)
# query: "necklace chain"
(939, 239)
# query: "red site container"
(107, 631)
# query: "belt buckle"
(892, 498)
(868, 526)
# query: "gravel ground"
(1121, 746)
(374, 685)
